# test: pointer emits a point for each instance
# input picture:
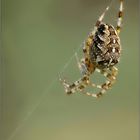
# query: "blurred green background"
(38, 39)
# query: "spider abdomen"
(105, 50)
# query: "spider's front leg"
(82, 65)
(120, 15)
(78, 85)
(111, 78)
(86, 68)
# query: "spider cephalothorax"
(101, 52)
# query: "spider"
(102, 51)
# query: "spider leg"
(86, 68)
(81, 65)
(89, 41)
(83, 70)
(99, 21)
(111, 78)
(78, 85)
(120, 14)
(94, 85)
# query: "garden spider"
(101, 53)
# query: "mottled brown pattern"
(106, 49)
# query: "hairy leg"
(111, 78)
